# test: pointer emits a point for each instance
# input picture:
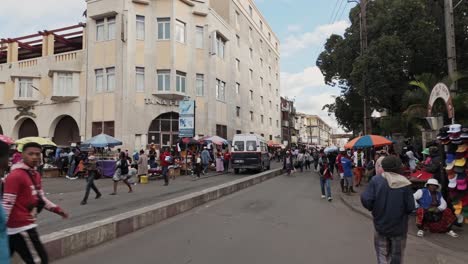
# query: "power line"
(342, 12)
(333, 11)
(338, 11)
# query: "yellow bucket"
(143, 179)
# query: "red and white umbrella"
(6, 139)
(215, 140)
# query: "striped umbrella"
(368, 141)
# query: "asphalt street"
(69, 193)
(282, 220)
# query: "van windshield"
(251, 145)
(238, 145)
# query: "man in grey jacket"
(390, 199)
(206, 159)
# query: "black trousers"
(165, 173)
(28, 245)
(90, 185)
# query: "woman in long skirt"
(219, 163)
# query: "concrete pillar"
(85, 33)
(50, 44)
(12, 51)
(44, 45)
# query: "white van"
(249, 151)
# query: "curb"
(73, 240)
(354, 208)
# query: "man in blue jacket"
(390, 199)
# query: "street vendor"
(432, 212)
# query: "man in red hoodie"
(23, 199)
(165, 159)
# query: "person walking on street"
(390, 199)
(347, 174)
(142, 165)
(339, 167)
(227, 161)
(325, 180)
(206, 159)
(4, 248)
(91, 168)
(300, 161)
(198, 165)
(359, 166)
(288, 163)
(121, 173)
(23, 199)
(316, 157)
(307, 159)
(166, 160)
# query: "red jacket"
(20, 197)
(162, 158)
(338, 163)
(227, 156)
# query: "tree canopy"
(406, 39)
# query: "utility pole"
(367, 129)
(450, 38)
(367, 123)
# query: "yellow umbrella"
(41, 141)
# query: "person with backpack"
(92, 174)
(23, 200)
(121, 173)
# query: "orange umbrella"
(368, 141)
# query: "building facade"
(313, 130)
(289, 131)
(124, 72)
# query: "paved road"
(279, 221)
(68, 194)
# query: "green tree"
(406, 39)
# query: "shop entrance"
(164, 130)
(66, 132)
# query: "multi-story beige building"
(125, 70)
(313, 130)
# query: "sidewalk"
(69, 193)
(353, 201)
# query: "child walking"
(325, 180)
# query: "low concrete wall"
(76, 239)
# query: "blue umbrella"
(102, 140)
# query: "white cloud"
(310, 93)
(20, 17)
(293, 84)
(298, 42)
(294, 28)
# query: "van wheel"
(236, 171)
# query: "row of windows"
(105, 30)
(260, 23)
(63, 86)
(238, 110)
(105, 82)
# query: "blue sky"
(301, 25)
(303, 29)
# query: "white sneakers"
(450, 233)
(323, 196)
(330, 199)
(420, 233)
